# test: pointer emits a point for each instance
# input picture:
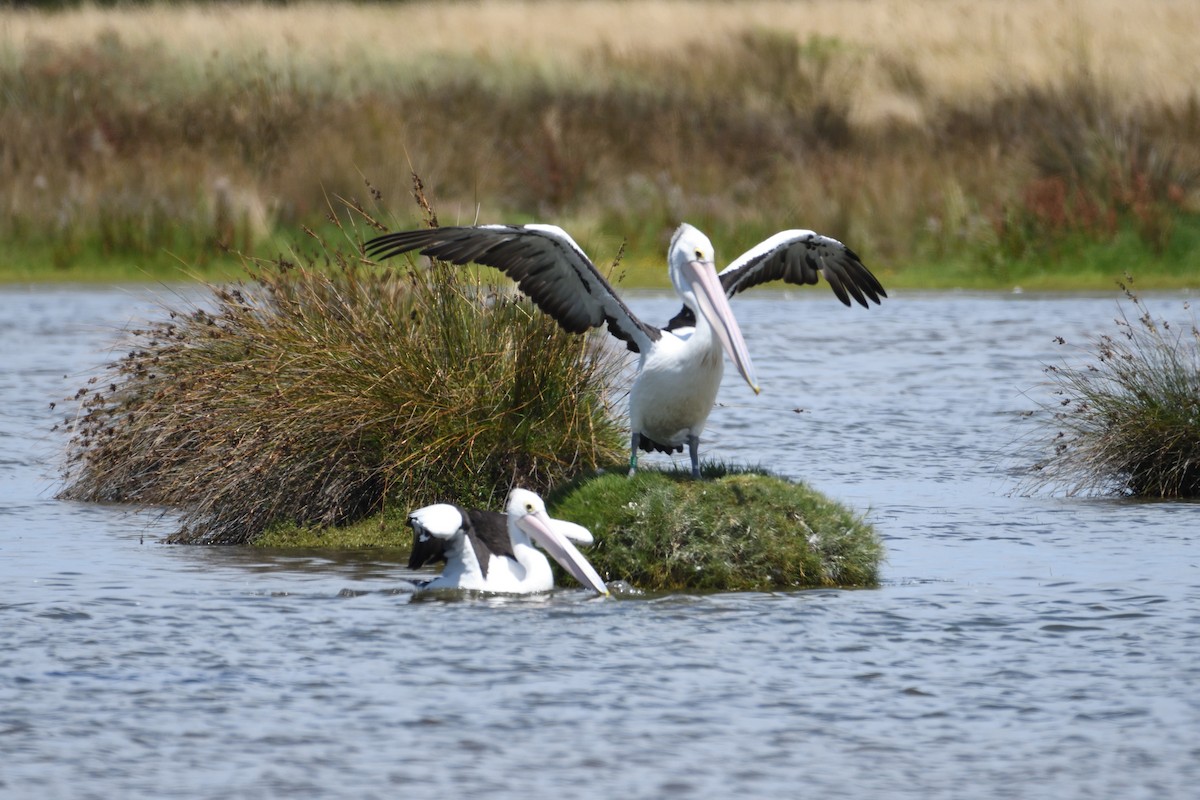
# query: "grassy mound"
(1128, 422)
(735, 530)
(385, 532)
(313, 393)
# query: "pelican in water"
(492, 552)
(680, 366)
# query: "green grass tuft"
(385, 532)
(738, 529)
(1128, 421)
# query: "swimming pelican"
(680, 366)
(492, 552)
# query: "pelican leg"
(633, 454)
(694, 451)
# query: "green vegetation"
(738, 529)
(385, 531)
(318, 393)
(1128, 421)
(124, 159)
(33, 261)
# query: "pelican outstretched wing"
(545, 262)
(796, 256)
(799, 256)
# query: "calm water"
(1019, 647)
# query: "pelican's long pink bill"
(714, 305)
(539, 528)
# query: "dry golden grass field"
(948, 141)
(957, 48)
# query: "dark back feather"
(488, 535)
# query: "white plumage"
(491, 552)
(680, 365)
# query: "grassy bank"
(737, 530)
(1075, 265)
(981, 145)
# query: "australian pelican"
(492, 552)
(680, 365)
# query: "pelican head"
(527, 512)
(693, 272)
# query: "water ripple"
(1018, 647)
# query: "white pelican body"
(490, 552)
(675, 389)
(680, 365)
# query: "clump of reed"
(739, 529)
(320, 390)
(1128, 420)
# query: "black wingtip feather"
(835, 283)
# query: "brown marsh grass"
(319, 393)
(954, 49)
(1127, 420)
(942, 139)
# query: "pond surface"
(1023, 647)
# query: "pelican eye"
(699, 255)
(529, 507)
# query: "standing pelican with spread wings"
(680, 365)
